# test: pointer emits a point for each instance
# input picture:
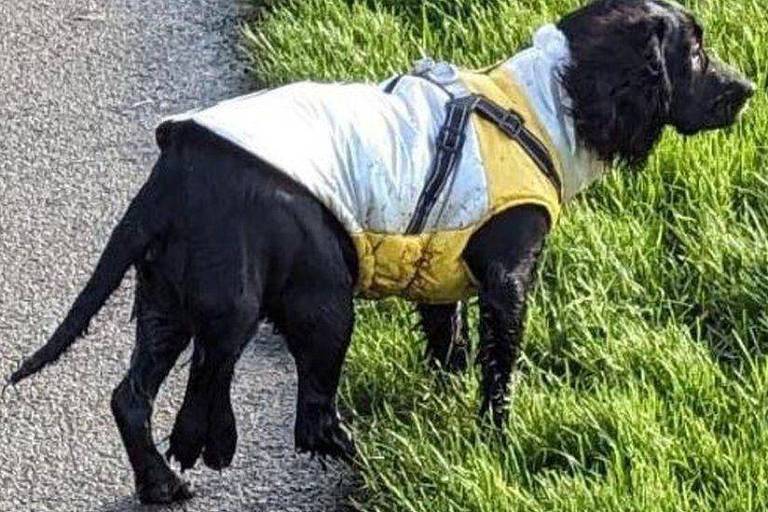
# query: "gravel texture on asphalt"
(82, 85)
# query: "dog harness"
(413, 167)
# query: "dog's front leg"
(503, 255)
(445, 327)
(317, 320)
(502, 316)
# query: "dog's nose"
(741, 89)
(750, 88)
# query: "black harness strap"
(390, 88)
(450, 142)
(514, 127)
(394, 82)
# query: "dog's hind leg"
(191, 425)
(446, 330)
(206, 423)
(221, 436)
(160, 338)
(317, 322)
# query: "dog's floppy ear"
(618, 81)
(658, 45)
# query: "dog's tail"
(148, 215)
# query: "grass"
(644, 384)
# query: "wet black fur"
(222, 241)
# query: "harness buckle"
(511, 123)
(450, 139)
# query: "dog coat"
(367, 152)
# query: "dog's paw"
(458, 360)
(494, 414)
(187, 438)
(325, 437)
(221, 441)
(339, 444)
(160, 485)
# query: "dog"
(225, 234)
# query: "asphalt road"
(82, 84)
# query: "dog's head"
(639, 65)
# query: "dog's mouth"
(722, 112)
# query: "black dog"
(221, 240)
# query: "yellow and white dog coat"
(366, 152)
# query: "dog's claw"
(184, 463)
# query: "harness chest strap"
(450, 142)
